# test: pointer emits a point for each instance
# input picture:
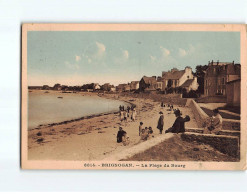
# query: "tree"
(200, 74)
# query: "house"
(134, 85)
(96, 86)
(65, 87)
(112, 89)
(45, 87)
(34, 87)
(148, 83)
(106, 87)
(120, 87)
(190, 84)
(127, 87)
(159, 84)
(217, 75)
(57, 87)
(233, 89)
(123, 87)
(176, 78)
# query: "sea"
(47, 107)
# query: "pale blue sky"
(76, 58)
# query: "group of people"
(170, 106)
(122, 137)
(129, 112)
(212, 125)
(144, 133)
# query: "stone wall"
(225, 144)
(199, 114)
(212, 99)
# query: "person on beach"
(120, 108)
(133, 115)
(140, 128)
(215, 123)
(144, 134)
(161, 122)
(178, 126)
(150, 130)
(121, 133)
(128, 109)
(121, 115)
(125, 115)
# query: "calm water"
(46, 108)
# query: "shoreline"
(94, 138)
(83, 117)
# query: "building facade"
(217, 75)
(134, 85)
(176, 78)
(148, 83)
(233, 93)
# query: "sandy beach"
(94, 138)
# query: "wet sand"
(94, 138)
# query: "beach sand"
(94, 138)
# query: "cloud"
(100, 49)
(165, 52)
(77, 58)
(182, 52)
(125, 54)
(73, 66)
(153, 58)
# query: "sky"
(77, 58)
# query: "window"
(218, 81)
(188, 77)
(223, 81)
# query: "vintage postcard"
(134, 96)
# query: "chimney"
(233, 62)
(212, 62)
(217, 62)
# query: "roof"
(220, 63)
(149, 79)
(187, 83)
(134, 82)
(238, 80)
(173, 75)
(121, 85)
(233, 69)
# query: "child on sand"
(160, 122)
(121, 133)
(144, 134)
